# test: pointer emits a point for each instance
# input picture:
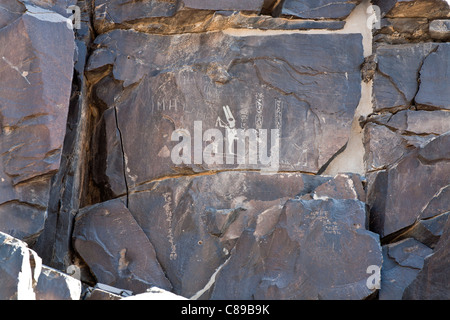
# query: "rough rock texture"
(302, 256)
(402, 261)
(172, 91)
(35, 87)
(430, 9)
(432, 281)
(116, 249)
(398, 199)
(126, 173)
(23, 277)
(319, 9)
(440, 29)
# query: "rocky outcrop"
(35, 81)
(198, 149)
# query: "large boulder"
(312, 249)
(253, 83)
(116, 249)
(35, 87)
(398, 198)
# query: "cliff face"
(224, 150)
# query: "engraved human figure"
(231, 131)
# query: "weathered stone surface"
(319, 9)
(155, 293)
(67, 190)
(169, 17)
(317, 249)
(193, 231)
(402, 30)
(116, 249)
(396, 80)
(233, 5)
(429, 231)
(108, 13)
(35, 85)
(398, 198)
(432, 281)
(435, 79)
(19, 269)
(414, 8)
(440, 29)
(190, 83)
(402, 261)
(102, 291)
(55, 285)
(388, 137)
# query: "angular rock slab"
(395, 83)
(195, 222)
(435, 79)
(116, 249)
(319, 9)
(431, 9)
(35, 86)
(440, 29)
(432, 281)
(233, 5)
(19, 269)
(55, 285)
(398, 198)
(268, 82)
(402, 261)
(318, 249)
(388, 137)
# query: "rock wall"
(250, 149)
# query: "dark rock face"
(395, 82)
(187, 226)
(402, 261)
(303, 255)
(202, 149)
(434, 79)
(432, 281)
(35, 86)
(430, 9)
(408, 200)
(170, 92)
(322, 9)
(116, 249)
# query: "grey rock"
(19, 269)
(431, 9)
(240, 76)
(233, 5)
(396, 80)
(440, 29)
(318, 249)
(55, 285)
(432, 281)
(32, 116)
(434, 79)
(194, 231)
(388, 137)
(398, 199)
(116, 249)
(402, 261)
(155, 293)
(319, 9)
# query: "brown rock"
(35, 86)
(398, 198)
(115, 248)
(319, 249)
